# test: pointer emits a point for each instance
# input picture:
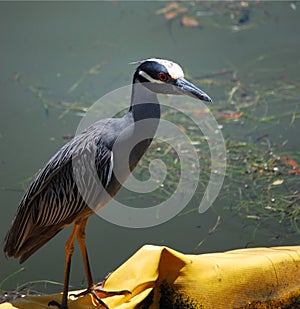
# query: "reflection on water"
(58, 58)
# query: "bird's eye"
(163, 77)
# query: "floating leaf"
(231, 116)
(171, 6)
(172, 10)
(189, 21)
(277, 182)
(294, 172)
(171, 15)
(289, 162)
(182, 10)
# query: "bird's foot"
(98, 292)
(58, 305)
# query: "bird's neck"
(144, 103)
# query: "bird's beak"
(185, 87)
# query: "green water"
(46, 48)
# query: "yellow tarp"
(159, 277)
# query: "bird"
(90, 169)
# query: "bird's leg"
(81, 240)
(92, 289)
(69, 247)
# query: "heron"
(88, 171)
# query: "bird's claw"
(98, 292)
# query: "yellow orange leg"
(69, 248)
(81, 241)
(91, 288)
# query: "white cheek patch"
(149, 78)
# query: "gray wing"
(53, 200)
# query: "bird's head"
(164, 76)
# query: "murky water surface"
(58, 58)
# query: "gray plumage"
(90, 169)
(53, 201)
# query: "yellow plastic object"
(159, 277)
